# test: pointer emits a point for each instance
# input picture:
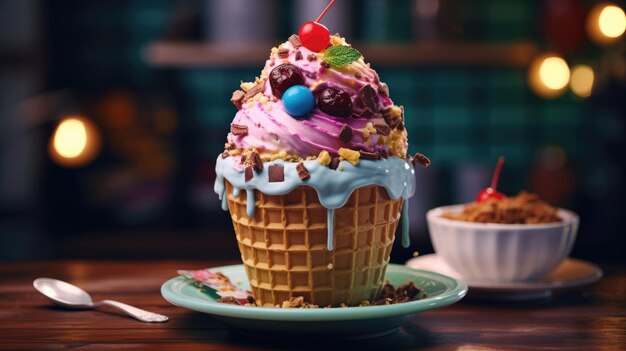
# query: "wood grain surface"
(593, 319)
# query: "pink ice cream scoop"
(371, 124)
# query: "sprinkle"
(238, 129)
(329, 266)
(324, 158)
(298, 55)
(334, 163)
(237, 98)
(303, 173)
(248, 173)
(382, 129)
(415, 253)
(345, 134)
(276, 173)
(294, 39)
(349, 155)
(421, 159)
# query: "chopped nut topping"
(324, 158)
(349, 155)
(257, 88)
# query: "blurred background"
(112, 113)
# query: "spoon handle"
(138, 313)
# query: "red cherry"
(314, 36)
(491, 193)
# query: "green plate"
(336, 323)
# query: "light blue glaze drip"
(333, 187)
(250, 203)
(236, 192)
(224, 201)
(330, 223)
(406, 239)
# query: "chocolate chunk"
(248, 174)
(298, 55)
(382, 129)
(276, 173)
(294, 39)
(237, 98)
(283, 53)
(408, 290)
(345, 134)
(228, 300)
(303, 173)
(229, 146)
(254, 90)
(383, 153)
(392, 122)
(325, 64)
(238, 129)
(224, 154)
(255, 161)
(383, 88)
(368, 97)
(358, 75)
(334, 163)
(243, 159)
(388, 291)
(311, 57)
(421, 160)
(367, 113)
(366, 155)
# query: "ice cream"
(324, 121)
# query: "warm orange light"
(606, 23)
(581, 82)
(75, 142)
(548, 75)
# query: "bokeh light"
(606, 23)
(549, 75)
(75, 142)
(581, 81)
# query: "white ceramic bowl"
(501, 252)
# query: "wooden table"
(595, 320)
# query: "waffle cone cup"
(284, 245)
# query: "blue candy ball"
(298, 101)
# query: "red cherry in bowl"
(314, 36)
(491, 193)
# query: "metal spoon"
(71, 296)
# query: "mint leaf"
(341, 55)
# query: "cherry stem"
(325, 10)
(496, 173)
